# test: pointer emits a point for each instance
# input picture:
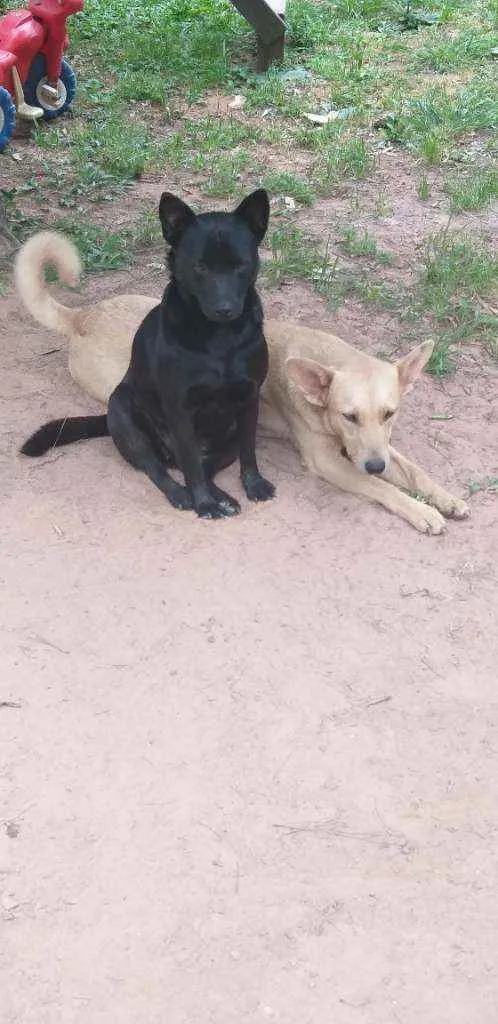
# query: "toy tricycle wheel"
(35, 94)
(7, 117)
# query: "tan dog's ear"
(411, 366)
(312, 378)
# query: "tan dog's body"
(316, 386)
(100, 336)
(349, 381)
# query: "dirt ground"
(249, 767)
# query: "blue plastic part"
(38, 71)
(9, 117)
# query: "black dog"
(190, 397)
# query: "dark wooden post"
(267, 18)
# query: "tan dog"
(337, 405)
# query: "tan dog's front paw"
(426, 519)
(454, 508)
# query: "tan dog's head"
(360, 405)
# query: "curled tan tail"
(47, 249)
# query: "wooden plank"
(270, 52)
(268, 23)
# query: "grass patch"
(423, 189)
(357, 243)
(159, 47)
(459, 273)
(473, 189)
(443, 51)
(342, 156)
(101, 249)
(284, 183)
(455, 263)
(296, 255)
(225, 174)
(432, 122)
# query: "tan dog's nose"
(375, 466)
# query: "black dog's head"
(215, 255)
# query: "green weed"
(296, 255)
(285, 183)
(445, 51)
(472, 189)
(101, 249)
(434, 120)
(423, 189)
(458, 272)
(225, 174)
(345, 156)
(362, 244)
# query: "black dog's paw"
(256, 487)
(217, 505)
(180, 497)
(213, 509)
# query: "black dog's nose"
(375, 466)
(224, 312)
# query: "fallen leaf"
(331, 115)
(237, 103)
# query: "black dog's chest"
(211, 392)
(213, 403)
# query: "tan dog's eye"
(389, 413)
(351, 417)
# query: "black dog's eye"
(351, 417)
(389, 413)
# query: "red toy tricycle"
(34, 79)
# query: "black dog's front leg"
(209, 501)
(141, 446)
(255, 485)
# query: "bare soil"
(248, 768)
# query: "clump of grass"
(119, 145)
(199, 141)
(362, 244)
(473, 189)
(441, 362)
(456, 263)
(345, 156)
(444, 51)
(225, 174)
(458, 271)
(423, 189)
(287, 184)
(309, 24)
(432, 121)
(101, 249)
(296, 255)
(273, 92)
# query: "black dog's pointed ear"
(175, 217)
(255, 210)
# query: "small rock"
(9, 903)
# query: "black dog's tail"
(60, 432)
